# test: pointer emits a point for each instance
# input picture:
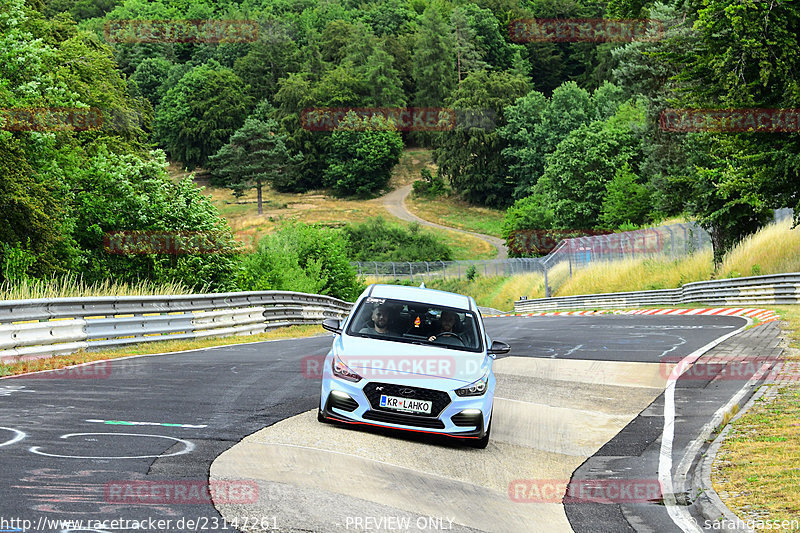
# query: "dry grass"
(409, 168)
(457, 213)
(772, 250)
(317, 207)
(757, 472)
(83, 356)
(489, 291)
(638, 274)
(74, 286)
(493, 291)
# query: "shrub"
(302, 258)
(430, 186)
(377, 240)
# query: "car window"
(415, 322)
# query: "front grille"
(405, 420)
(439, 399)
(345, 404)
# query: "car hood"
(389, 361)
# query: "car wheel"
(482, 442)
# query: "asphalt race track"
(84, 445)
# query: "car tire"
(482, 442)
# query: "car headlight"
(476, 388)
(341, 370)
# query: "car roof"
(419, 294)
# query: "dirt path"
(395, 203)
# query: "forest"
(562, 133)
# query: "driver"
(381, 316)
(447, 324)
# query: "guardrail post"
(546, 284)
(671, 241)
(569, 256)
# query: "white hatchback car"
(414, 359)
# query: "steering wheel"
(451, 334)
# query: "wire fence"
(569, 255)
(676, 240)
(420, 270)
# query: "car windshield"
(415, 322)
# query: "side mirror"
(499, 347)
(332, 324)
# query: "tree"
(362, 154)
(125, 193)
(536, 125)
(626, 200)
(382, 80)
(739, 55)
(254, 156)
(524, 151)
(34, 213)
(471, 157)
(149, 77)
(433, 67)
(198, 115)
(467, 56)
(575, 178)
(294, 95)
(269, 59)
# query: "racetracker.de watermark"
(164, 242)
(50, 119)
(729, 368)
(101, 370)
(180, 492)
(730, 120)
(399, 118)
(181, 31)
(585, 491)
(584, 30)
(393, 366)
(543, 241)
(55, 119)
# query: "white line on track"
(18, 436)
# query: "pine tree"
(383, 81)
(254, 156)
(468, 58)
(433, 69)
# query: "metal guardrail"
(31, 329)
(777, 289)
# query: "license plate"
(406, 404)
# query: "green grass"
(758, 465)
